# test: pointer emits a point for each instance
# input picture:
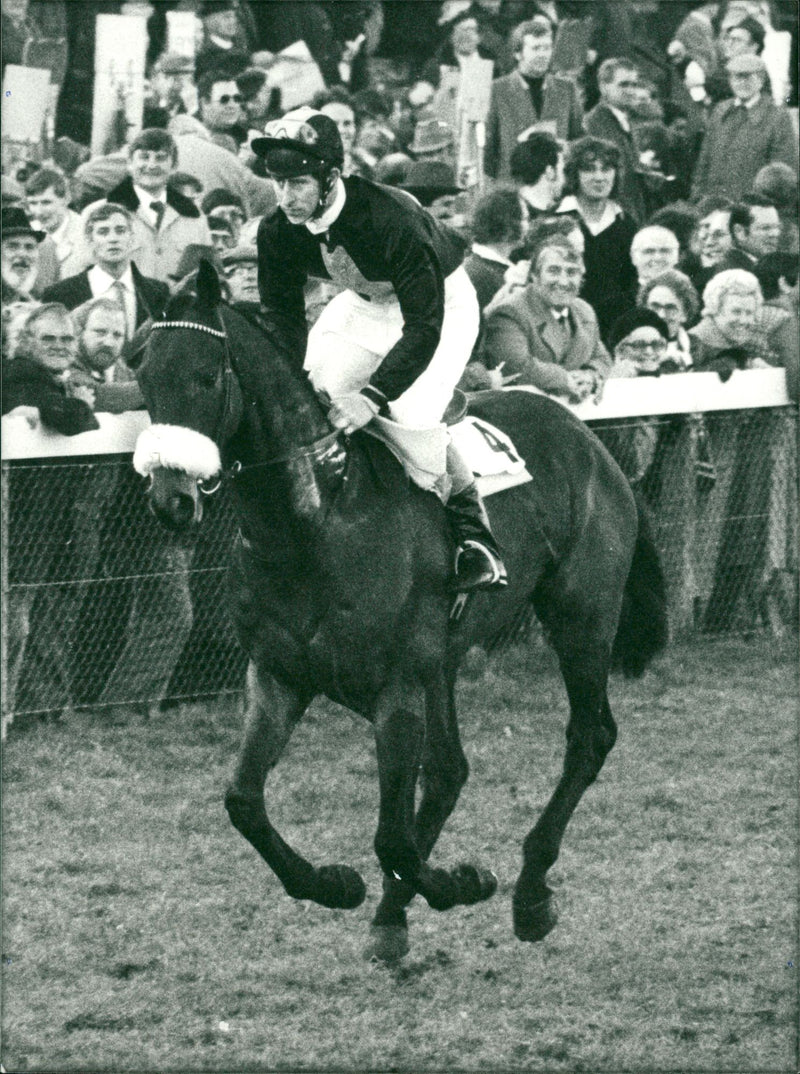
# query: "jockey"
(396, 340)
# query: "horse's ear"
(209, 290)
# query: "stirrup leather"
(495, 572)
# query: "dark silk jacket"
(382, 243)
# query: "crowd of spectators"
(657, 134)
(630, 199)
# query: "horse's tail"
(643, 626)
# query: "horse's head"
(194, 400)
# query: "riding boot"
(478, 562)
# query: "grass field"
(141, 933)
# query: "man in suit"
(164, 222)
(46, 197)
(545, 334)
(497, 229)
(110, 240)
(743, 134)
(529, 98)
(755, 226)
(618, 82)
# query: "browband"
(190, 324)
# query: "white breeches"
(354, 335)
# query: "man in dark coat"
(38, 375)
(610, 120)
(109, 233)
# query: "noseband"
(208, 487)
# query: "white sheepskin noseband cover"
(174, 447)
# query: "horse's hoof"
(533, 922)
(388, 943)
(340, 887)
(474, 884)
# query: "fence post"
(4, 500)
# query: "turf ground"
(141, 933)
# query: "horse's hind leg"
(273, 712)
(591, 733)
(444, 772)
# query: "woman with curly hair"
(591, 174)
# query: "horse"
(341, 585)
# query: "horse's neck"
(285, 442)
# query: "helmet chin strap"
(324, 194)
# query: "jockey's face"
(298, 197)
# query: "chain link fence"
(104, 608)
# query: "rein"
(318, 447)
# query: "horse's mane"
(185, 306)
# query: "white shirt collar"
(570, 204)
(624, 122)
(322, 223)
(60, 233)
(103, 281)
(489, 254)
(146, 198)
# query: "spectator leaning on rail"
(164, 222)
(38, 375)
(544, 334)
(639, 341)
(110, 238)
(743, 134)
(529, 98)
(591, 177)
(724, 337)
(396, 340)
(673, 297)
(100, 325)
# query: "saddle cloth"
(422, 453)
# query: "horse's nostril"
(181, 507)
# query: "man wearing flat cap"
(743, 134)
(241, 272)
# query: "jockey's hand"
(352, 411)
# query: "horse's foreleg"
(273, 712)
(403, 842)
(444, 773)
(591, 733)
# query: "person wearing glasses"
(221, 111)
(639, 341)
(39, 375)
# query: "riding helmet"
(303, 142)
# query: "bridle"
(321, 447)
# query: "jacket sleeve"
(508, 341)
(418, 281)
(56, 409)
(783, 147)
(576, 121)
(491, 153)
(281, 279)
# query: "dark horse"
(341, 585)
